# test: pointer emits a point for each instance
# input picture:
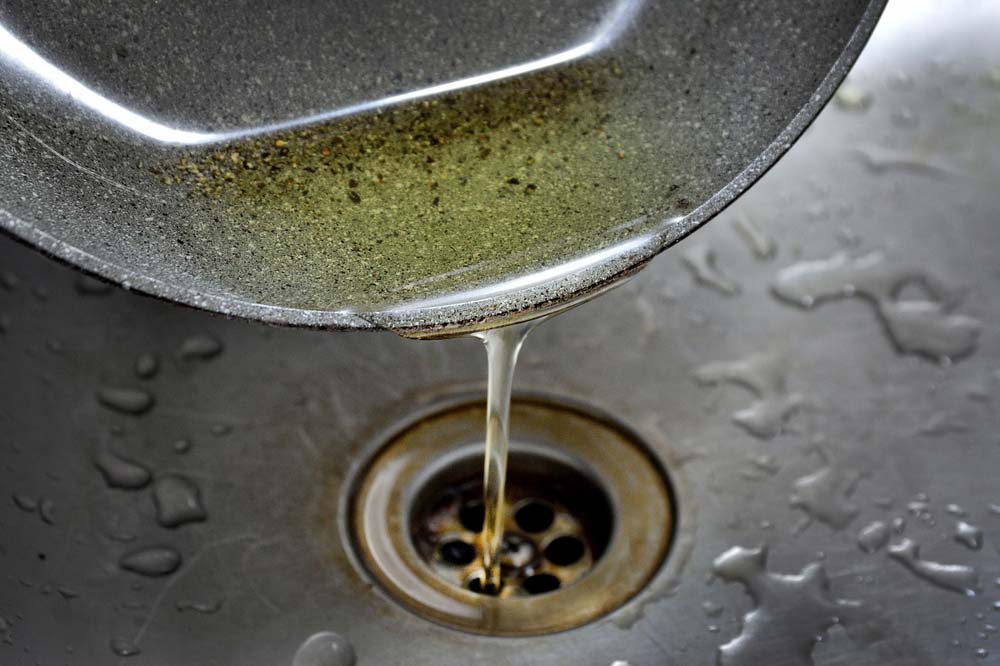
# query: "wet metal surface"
(843, 520)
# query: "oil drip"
(502, 348)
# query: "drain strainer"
(588, 522)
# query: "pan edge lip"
(457, 319)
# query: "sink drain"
(588, 519)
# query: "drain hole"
(564, 551)
(475, 584)
(587, 519)
(457, 552)
(471, 515)
(540, 584)
(534, 516)
(555, 515)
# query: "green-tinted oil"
(441, 194)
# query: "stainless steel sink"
(830, 460)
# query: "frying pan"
(104, 102)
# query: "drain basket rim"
(474, 613)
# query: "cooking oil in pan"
(436, 196)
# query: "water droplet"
(873, 537)
(619, 662)
(9, 281)
(956, 510)
(956, 577)
(825, 495)
(925, 327)
(942, 423)
(713, 628)
(765, 375)
(853, 98)
(153, 561)
(968, 535)
(46, 511)
(901, 81)
(905, 118)
(791, 612)
(182, 446)
(146, 366)
(325, 649)
(221, 429)
(203, 607)
(119, 472)
(178, 501)
(123, 647)
(24, 503)
(200, 346)
(883, 502)
(978, 392)
(712, 609)
(67, 593)
(699, 259)
(880, 160)
(761, 245)
(125, 400)
(982, 653)
(992, 77)
(91, 286)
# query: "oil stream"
(502, 348)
